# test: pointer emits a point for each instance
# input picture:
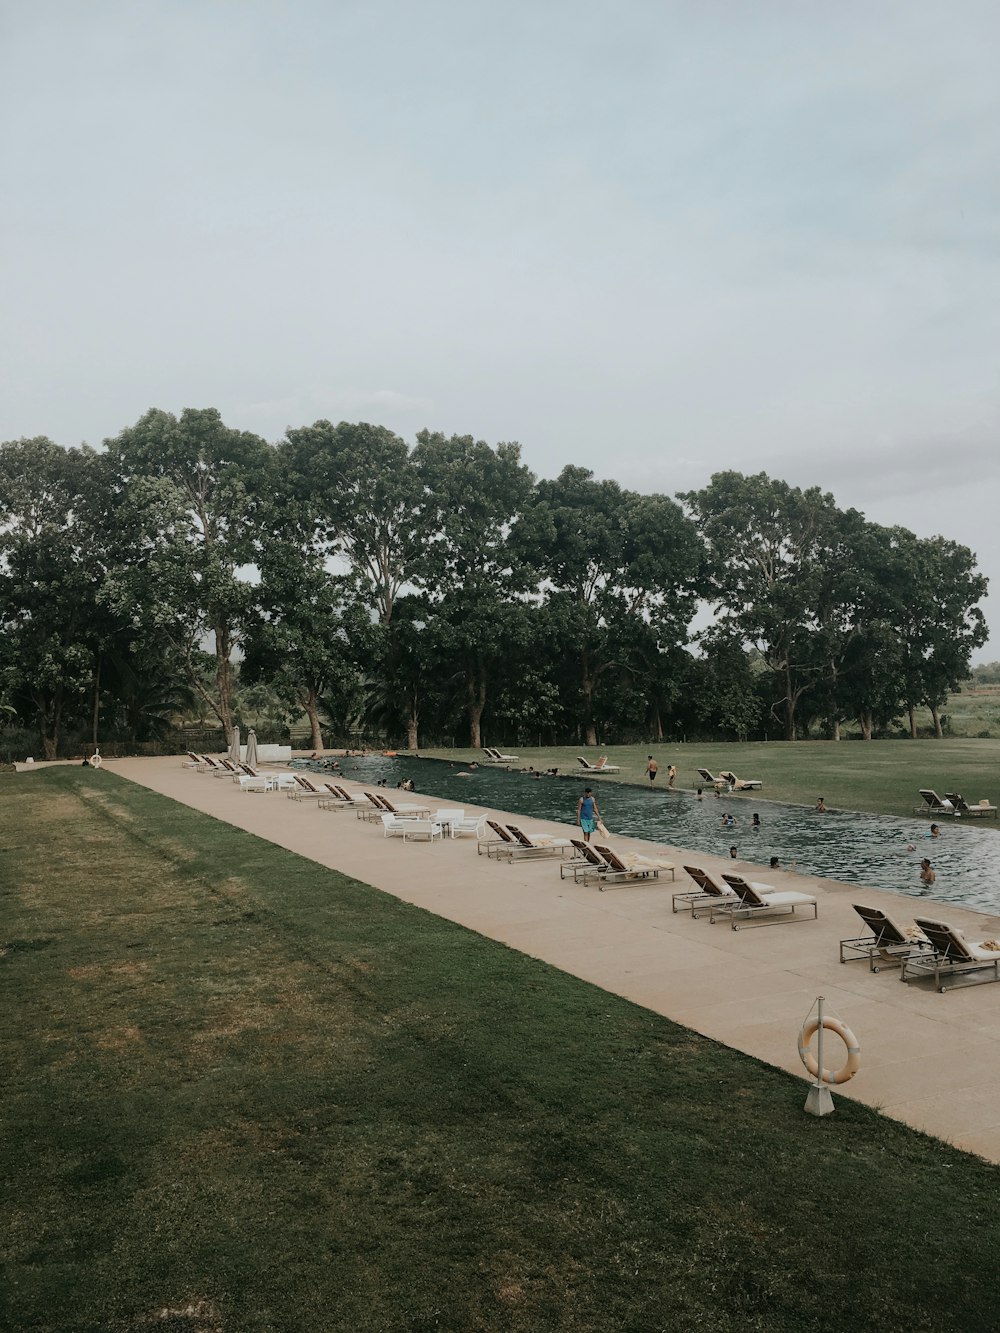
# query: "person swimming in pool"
(587, 813)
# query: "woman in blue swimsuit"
(587, 814)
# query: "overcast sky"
(654, 239)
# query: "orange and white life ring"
(847, 1070)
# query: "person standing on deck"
(652, 767)
(587, 814)
(671, 775)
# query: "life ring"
(95, 760)
(389, 754)
(847, 1070)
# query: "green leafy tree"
(187, 491)
(767, 544)
(621, 572)
(471, 575)
(50, 574)
(359, 488)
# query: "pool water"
(857, 847)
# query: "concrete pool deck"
(929, 1060)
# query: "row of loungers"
(953, 804)
(925, 949)
(742, 901)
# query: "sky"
(658, 240)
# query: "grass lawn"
(245, 1094)
(884, 776)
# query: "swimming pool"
(857, 847)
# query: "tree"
(50, 574)
(360, 489)
(939, 622)
(622, 572)
(767, 545)
(471, 575)
(187, 491)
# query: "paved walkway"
(930, 1060)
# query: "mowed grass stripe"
(243, 1092)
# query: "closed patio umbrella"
(234, 746)
(252, 748)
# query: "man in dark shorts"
(651, 767)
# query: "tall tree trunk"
(937, 722)
(475, 694)
(913, 721)
(587, 690)
(312, 712)
(224, 676)
(97, 701)
(789, 707)
(49, 712)
(411, 724)
(866, 726)
(836, 728)
(657, 723)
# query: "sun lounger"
(532, 844)
(493, 756)
(770, 910)
(707, 776)
(982, 810)
(342, 799)
(630, 867)
(710, 890)
(493, 842)
(602, 765)
(933, 804)
(585, 865)
(333, 798)
(305, 790)
(407, 808)
(950, 955)
(373, 809)
(193, 760)
(886, 945)
(740, 784)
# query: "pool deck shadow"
(929, 1060)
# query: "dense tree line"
(441, 590)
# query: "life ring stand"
(95, 759)
(853, 1062)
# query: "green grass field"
(884, 776)
(245, 1094)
